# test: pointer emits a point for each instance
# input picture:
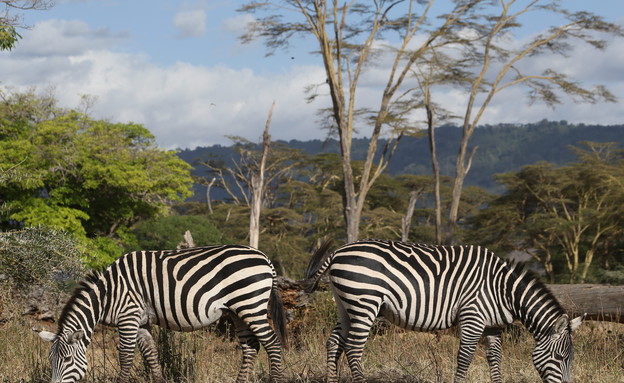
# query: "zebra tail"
(317, 267)
(278, 315)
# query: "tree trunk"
(461, 171)
(208, 199)
(435, 167)
(257, 186)
(352, 217)
(406, 221)
(599, 302)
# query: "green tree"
(567, 216)
(498, 67)
(92, 178)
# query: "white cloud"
(186, 105)
(64, 38)
(237, 25)
(190, 23)
(183, 105)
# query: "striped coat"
(182, 290)
(424, 287)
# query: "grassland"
(394, 356)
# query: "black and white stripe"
(181, 290)
(424, 287)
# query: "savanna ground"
(394, 356)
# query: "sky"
(179, 68)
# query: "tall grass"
(390, 356)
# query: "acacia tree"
(565, 216)
(348, 37)
(497, 67)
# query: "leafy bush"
(39, 255)
(167, 232)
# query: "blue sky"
(178, 68)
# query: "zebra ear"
(576, 322)
(47, 335)
(75, 337)
(561, 324)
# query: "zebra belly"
(422, 320)
(179, 321)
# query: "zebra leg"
(471, 329)
(335, 347)
(250, 346)
(128, 329)
(354, 346)
(494, 353)
(252, 331)
(148, 349)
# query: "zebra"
(182, 290)
(432, 287)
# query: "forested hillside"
(501, 148)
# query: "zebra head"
(67, 355)
(554, 352)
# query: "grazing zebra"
(424, 287)
(182, 290)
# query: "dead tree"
(257, 186)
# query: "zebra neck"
(533, 304)
(84, 309)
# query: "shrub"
(42, 256)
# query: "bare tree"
(257, 186)
(236, 178)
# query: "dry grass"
(396, 356)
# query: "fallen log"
(600, 302)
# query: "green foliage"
(103, 252)
(167, 232)
(8, 37)
(567, 217)
(40, 256)
(92, 178)
(43, 212)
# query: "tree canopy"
(63, 169)
(567, 217)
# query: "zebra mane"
(84, 286)
(521, 273)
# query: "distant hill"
(501, 148)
